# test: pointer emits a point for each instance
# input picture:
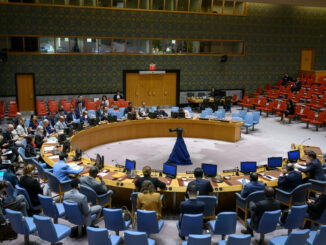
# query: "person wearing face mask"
(62, 170)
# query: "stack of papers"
(297, 165)
(48, 148)
(75, 166)
(102, 174)
(52, 140)
(53, 157)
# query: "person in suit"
(297, 85)
(192, 205)
(61, 108)
(79, 110)
(39, 137)
(257, 210)
(50, 117)
(129, 108)
(252, 186)
(143, 110)
(76, 197)
(313, 167)
(70, 116)
(84, 119)
(204, 186)
(47, 129)
(147, 176)
(60, 125)
(212, 93)
(61, 112)
(31, 185)
(117, 96)
(289, 179)
(100, 113)
(33, 124)
(133, 112)
(98, 186)
(286, 79)
(316, 207)
(148, 199)
(16, 119)
(160, 112)
(62, 170)
(80, 100)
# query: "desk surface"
(198, 100)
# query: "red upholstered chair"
(268, 87)
(319, 120)
(297, 98)
(275, 105)
(313, 101)
(269, 94)
(268, 109)
(278, 84)
(286, 91)
(258, 91)
(296, 112)
(234, 98)
(304, 113)
(320, 105)
(2, 109)
(41, 109)
(319, 91)
(307, 96)
(307, 84)
(73, 103)
(289, 97)
(310, 116)
(261, 103)
(250, 103)
(12, 110)
(281, 108)
(275, 95)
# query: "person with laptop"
(289, 179)
(313, 167)
(204, 186)
(147, 176)
(252, 186)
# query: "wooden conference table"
(199, 100)
(117, 180)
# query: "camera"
(175, 130)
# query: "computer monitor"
(61, 138)
(92, 122)
(294, 156)
(2, 173)
(152, 115)
(130, 165)
(210, 170)
(274, 162)
(247, 167)
(131, 116)
(68, 131)
(98, 161)
(66, 146)
(170, 170)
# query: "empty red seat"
(310, 116)
(297, 110)
(234, 98)
(268, 87)
(12, 110)
(2, 109)
(268, 109)
(90, 105)
(278, 84)
(258, 91)
(319, 120)
(313, 101)
(320, 105)
(281, 108)
(250, 103)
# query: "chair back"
(256, 117)
(297, 237)
(22, 191)
(53, 181)
(239, 240)
(11, 191)
(97, 236)
(296, 217)
(225, 223)
(147, 221)
(256, 196)
(113, 219)
(40, 170)
(135, 237)
(299, 194)
(133, 199)
(45, 228)
(268, 221)
(210, 204)
(18, 222)
(238, 119)
(91, 114)
(48, 206)
(320, 236)
(21, 152)
(24, 143)
(73, 213)
(89, 193)
(191, 224)
(248, 119)
(243, 114)
(200, 239)
(322, 218)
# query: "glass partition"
(132, 45)
(105, 45)
(62, 45)
(76, 45)
(144, 46)
(47, 44)
(118, 45)
(91, 45)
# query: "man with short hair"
(60, 125)
(257, 210)
(100, 113)
(204, 186)
(147, 176)
(313, 167)
(143, 110)
(252, 186)
(98, 186)
(117, 96)
(48, 130)
(289, 179)
(62, 170)
(79, 110)
(15, 120)
(61, 112)
(129, 108)
(161, 113)
(76, 197)
(80, 100)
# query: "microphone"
(305, 141)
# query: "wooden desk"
(198, 100)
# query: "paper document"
(49, 148)
(185, 182)
(7, 153)
(53, 157)
(269, 177)
(102, 174)
(240, 180)
(51, 140)
(297, 165)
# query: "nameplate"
(152, 72)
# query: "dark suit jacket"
(156, 182)
(78, 114)
(70, 117)
(30, 151)
(99, 115)
(15, 122)
(315, 210)
(252, 187)
(290, 181)
(315, 170)
(115, 97)
(38, 141)
(204, 186)
(33, 188)
(269, 204)
(33, 126)
(7, 136)
(82, 101)
(162, 113)
(191, 206)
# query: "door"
(307, 59)
(25, 92)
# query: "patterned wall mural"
(274, 36)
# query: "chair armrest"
(240, 197)
(319, 182)
(283, 192)
(109, 192)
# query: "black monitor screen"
(248, 166)
(130, 165)
(170, 169)
(98, 160)
(294, 155)
(209, 170)
(274, 162)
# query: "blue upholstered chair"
(24, 142)
(98, 236)
(154, 108)
(256, 118)
(133, 199)
(190, 224)
(11, 191)
(27, 160)
(40, 169)
(248, 122)
(297, 196)
(210, 204)
(104, 199)
(139, 238)
(317, 186)
(242, 114)
(50, 232)
(22, 191)
(147, 222)
(236, 240)
(317, 237)
(198, 240)
(91, 114)
(320, 221)
(224, 224)
(295, 238)
(75, 216)
(50, 208)
(114, 221)
(20, 224)
(175, 109)
(267, 223)
(57, 186)
(243, 203)
(295, 218)
(238, 119)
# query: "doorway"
(25, 92)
